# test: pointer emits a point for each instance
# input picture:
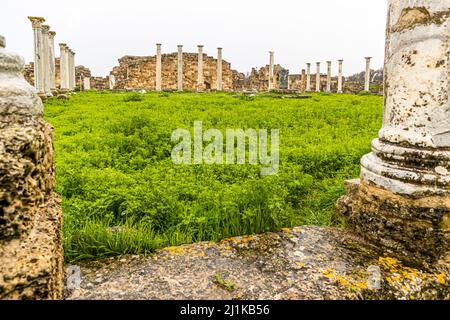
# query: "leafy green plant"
(122, 193)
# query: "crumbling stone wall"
(258, 80)
(100, 83)
(140, 72)
(30, 214)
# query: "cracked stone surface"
(300, 263)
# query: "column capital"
(45, 28)
(340, 60)
(318, 63)
(36, 21)
(308, 64)
(368, 58)
(219, 48)
(52, 34)
(2, 42)
(180, 46)
(158, 45)
(200, 46)
(62, 46)
(329, 62)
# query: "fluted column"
(367, 76)
(308, 77)
(318, 77)
(200, 81)
(328, 76)
(271, 70)
(180, 68)
(63, 67)
(219, 69)
(339, 89)
(51, 35)
(39, 82)
(158, 67)
(46, 58)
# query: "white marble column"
(46, 59)
(402, 204)
(271, 70)
(416, 117)
(158, 67)
(51, 35)
(69, 69)
(367, 76)
(180, 68)
(74, 82)
(328, 76)
(39, 84)
(63, 79)
(339, 89)
(112, 81)
(200, 81)
(318, 77)
(219, 69)
(86, 83)
(308, 77)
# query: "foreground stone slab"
(299, 263)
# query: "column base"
(42, 96)
(414, 230)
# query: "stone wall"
(140, 72)
(30, 214)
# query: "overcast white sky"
(299, 31)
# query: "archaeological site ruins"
(400, 205)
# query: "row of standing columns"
(44, 60)
(340, 76)
(200, 79)
(308, 75)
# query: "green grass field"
(122, 193)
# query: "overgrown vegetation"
(122, 193)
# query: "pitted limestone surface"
(299, 263)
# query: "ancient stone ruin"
(30, 216)
(401, 204)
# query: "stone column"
(200, 81)
(74, 81)
(308, 77)
(158, 67)
(31, 260)
(36, 22)
(63, 84)
(402, 202)
(271, 70)
(367, 76)
(51, 35)
(86, 83)
(180, 68)
(46, 59)
(318, 77)
(69, 68)
(112, 82)
(328, 76)
(339, 90)
(219, 69)
(303, 80)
